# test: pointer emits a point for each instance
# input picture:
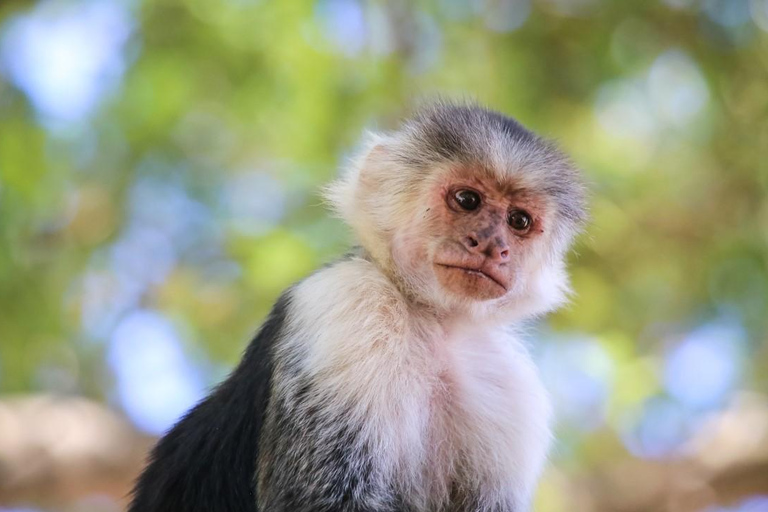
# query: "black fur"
(207, 462)
(302, 455)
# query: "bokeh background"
(159, 168)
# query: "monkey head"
(466, 211)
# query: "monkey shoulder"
(206, 462)
(348, 299)
(349, 335)
(335, 394)
(353, 278)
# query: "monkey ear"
(362, 195)
(345, 194)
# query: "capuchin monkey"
(393, 379)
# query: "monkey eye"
(519, 220)
(467, 199)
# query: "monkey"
(395, 379)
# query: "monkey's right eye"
(467, 199)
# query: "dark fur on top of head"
(469, 133)
(449, 132)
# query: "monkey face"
(487, 231)
(476, 238)
(466, 210)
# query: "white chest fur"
(490, 418)
(446, 411)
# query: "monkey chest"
(484, 417)
(473, 400)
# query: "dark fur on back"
(207, 462)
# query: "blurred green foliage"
(225, 103)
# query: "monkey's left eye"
(468, 199)
(519, 220)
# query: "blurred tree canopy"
(160, 162)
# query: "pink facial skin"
(473, 254)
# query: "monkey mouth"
(475, 272)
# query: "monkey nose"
(494, 248)
(498, 251)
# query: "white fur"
(443, 400)
(447, 395)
